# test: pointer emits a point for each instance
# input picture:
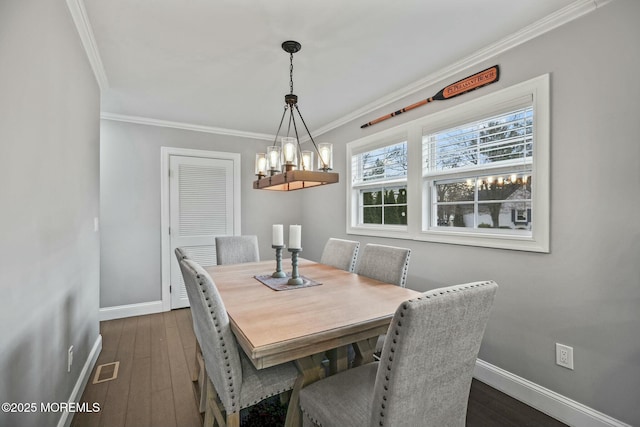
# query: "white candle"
(278, 238)
(295, 237)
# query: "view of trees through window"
(500, 200)
(386, 202)
(385, 206)
(384, 163)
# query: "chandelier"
(285, 166)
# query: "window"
(379, 186)
(479, 174)
(474, 174)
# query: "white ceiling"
(219, 63)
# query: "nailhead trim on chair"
(229, 385)
(235, 407)
(355, 258)
(396, 333)
(403, 282)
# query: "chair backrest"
(180, 254)
(385, 263)
(425, 370)
(237, 249)
(219, 345)
(340, 253)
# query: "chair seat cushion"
(341, 400)
(257, 385)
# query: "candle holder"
(295, 277)
(278, 273)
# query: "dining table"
(306, 324)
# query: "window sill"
(395, 232)
(522, 242)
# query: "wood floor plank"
(97, 393)
(143, 338)
(115, 407)
(183, 393)
(139, 404)
(160, 369)
(162, 408)
(487, 403)
(185, 325)
(170, 319)
(187, 337)
(162, 405)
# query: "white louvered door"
(201, 208)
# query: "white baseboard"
(121, 311)
(551, 403)
(78, 389)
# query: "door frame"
(165, 154)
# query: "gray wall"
(49, 196)
(130, 204)
(586, 292)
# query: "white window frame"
(535, 91)
(353, 191)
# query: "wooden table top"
(274, 327)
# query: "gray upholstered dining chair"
(199, 375)
(385, 263)
(237, 249)
(340, 253)
(424, 375)
(234, 383)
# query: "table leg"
(311, 370)
(364, 351)
(338, 359)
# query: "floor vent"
(106, 372)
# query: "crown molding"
(80, 18)
(542, 26)
(185, 126)
(567, 14)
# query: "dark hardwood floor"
(153, 387)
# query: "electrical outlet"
(69, 359)
(564, 356)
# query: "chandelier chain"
(291, 72)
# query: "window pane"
(395, 215)
(458, 215)
(500, 139)
(372, 215)
(505, 187)
(456, 191)
(387, 205)
(486, 202)
(507, 215)
(372, 197)
(384, 163)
